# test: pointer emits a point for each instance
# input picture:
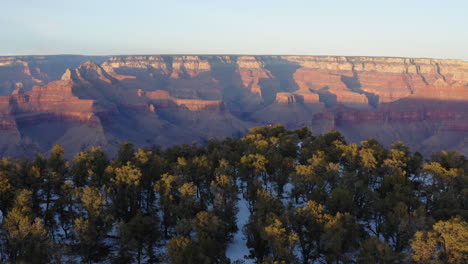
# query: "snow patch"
(237, 249)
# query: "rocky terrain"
(81, 101)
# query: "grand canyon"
(83, 101)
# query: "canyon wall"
(27, 71)
(163, 100)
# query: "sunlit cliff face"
(163, 100)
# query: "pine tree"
(125, 191)
(374, 251)
(447, 242)
(92, 227)
(168, 195)
(225, 199)
(25, 235)
(89, 168)
(53, 179)
(137, 238)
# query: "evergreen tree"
(89, 168)
(24, 234)
(125, 191)
(349, 203)
(225, 200)
(53, 179)
(447, 242)
(374, 251)
(137, 238)
(92, 227)
(169, 197)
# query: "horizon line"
(225, 54)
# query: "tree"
(253, 172)
(349, 203)
(309, 222)
(25, 235)
(396, 199)
(201, 174)
(225, 200)
(92, 227)
(64, 206)
(136, 237)
(310, 181)
(6, 192)
(450, 159)
(125, 153)
(53, 179)
(280, 240)
(267, 207)
(341, 236)
(188, 205)
(151, 166)
(178, 200)
(182, 250)
(447, 242)
(201, 240)
(445, 191)
(167, 188)
(125, 191)
(89, 168)
(374, 251)
(211, 237)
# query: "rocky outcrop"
(455, 125)
(251, 71)
(189, 66)
(15, 74)
(346, 80)
(57, 97)
(176, 99)
(293, 98)
(288, 98)
(27, 71)
(162, 99)
(388, 79)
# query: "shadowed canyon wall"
(81, 101)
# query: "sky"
(409, 28)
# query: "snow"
(237, 249)
(287, 191)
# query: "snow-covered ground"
(237, 250)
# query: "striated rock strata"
(162, 100)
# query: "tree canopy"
(304, 198)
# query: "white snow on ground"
(287, 190)
(238, 249)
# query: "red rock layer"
(297, 97)
(55, 97)
(455, 125)
(162, 99)
(27, 71)
(152, 93)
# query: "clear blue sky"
(408, 28)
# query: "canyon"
(84, 101)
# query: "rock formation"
(27, 71)
(162, 100)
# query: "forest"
(309, 199)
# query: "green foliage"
(136, 238)
(92, 227)
(89, 167)
(445, 243)
(312, 199)
(374, 251)
(25, 236)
